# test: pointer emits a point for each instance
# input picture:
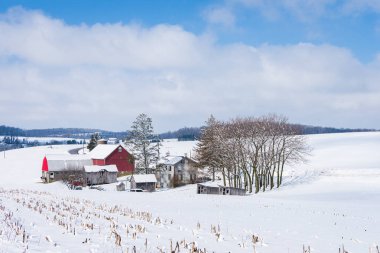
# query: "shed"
(225, 190)
(120, 186)
(207, 189)
(100, 174)
(212, 188)
(146, 182)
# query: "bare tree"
(72, 176)
(251, 152)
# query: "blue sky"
(314, 61)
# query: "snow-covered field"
(332, 201)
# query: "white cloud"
(129, 46)
(220, 16)
(102, 76)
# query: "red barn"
(107, 154)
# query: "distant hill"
(186, 133)
(193, 133)
(11, 131)
(328, 130)
(73, 133)
(77, 133)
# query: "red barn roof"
(45, 166)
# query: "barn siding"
(98, 162)
(122, 160)
(101, 177)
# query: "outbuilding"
(95, 174)
(212, 188)
(120, 186)
(145, 182)
(63, 167)
(207, 189)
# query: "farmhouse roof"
(148, 178)
(102, 151)
(97, 168)
(172, 160)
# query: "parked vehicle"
(136, 190)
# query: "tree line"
(250, 152)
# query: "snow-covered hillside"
(331, 201)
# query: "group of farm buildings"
(108, 161)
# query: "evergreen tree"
(140, 139)
(207, 150)
(93, 141)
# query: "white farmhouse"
(173, 171)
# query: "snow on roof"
(170, 160)
(211, 184)
(102, 151)
(67, 162)
(148, 178)
(97, 168)
(62, 157)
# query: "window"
(120, 149)
(51, 174)
(169, 176)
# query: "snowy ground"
(332, 201)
